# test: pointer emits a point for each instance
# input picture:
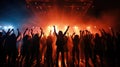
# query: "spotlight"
(8, 27)
(0, 26)
(76, 29)
(88, 28)
(5, 27)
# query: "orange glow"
(61, 18)
(51, 29)
(95, 26)
(88, 28)
(76, 29)
(59, 61)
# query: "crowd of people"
(30, 49)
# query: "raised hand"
(41, 29)
(54, 26)
(25, 31)
(26, 28)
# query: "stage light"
(76, 29)
(50, 28)
(5, 27)
(8, 27)
(88, 28)
(65, 27)
(0, 26)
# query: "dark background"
(15, 10)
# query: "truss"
(77, 6)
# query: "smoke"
(106, 19)
(65, 17)
(13, 12)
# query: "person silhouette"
(10, 47)
(25, 48)
(87, 47)
(35, 51)
(49, 42)
(98, 49)
(60, 42)
(75, 50)
(2, 39)
(14, 51)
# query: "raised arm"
(55, 31)
(104, 32)
(25, 31)
(72, 35)
(101, 31)
(32, 32)
(66, 31)
(81, 33)
(6, 33)
(112, 31)
(18, 33)
(9, 31)
(41, 32)
(12, 31)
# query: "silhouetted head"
(26, 37)
(97, 35)
(60, 33)
(36, 35)
(76, 40)
(76, 37)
